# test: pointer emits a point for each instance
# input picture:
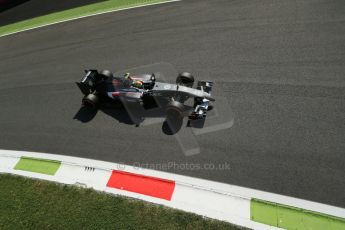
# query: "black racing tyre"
(175, 110)
(185, 79)
(105, 74)
(91, 101)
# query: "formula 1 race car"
(144, 89)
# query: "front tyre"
(185, 79)
(175, 110)
(175, 113)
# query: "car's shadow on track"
(136, 117)
(85, 114)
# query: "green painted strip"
(38, 165)
(74, 13)
(288, 217)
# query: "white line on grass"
(89, 15)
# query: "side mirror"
(153, 77)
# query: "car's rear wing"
(87, 83)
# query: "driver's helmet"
(137, 84)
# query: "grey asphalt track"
(279, 64)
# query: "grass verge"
(95, 8)
(35, 204)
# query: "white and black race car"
(144, 89)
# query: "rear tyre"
(185, 79)
(91, 101)
(105, 74)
